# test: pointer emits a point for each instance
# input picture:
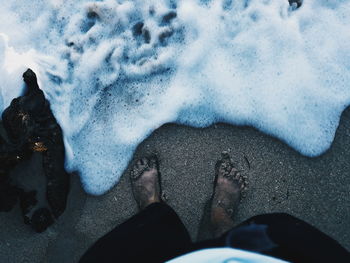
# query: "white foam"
(12, 66)
(114, 71)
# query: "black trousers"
(157, 234)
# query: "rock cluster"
(30, 128)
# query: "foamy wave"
(116, 70)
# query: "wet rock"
(28, 202)
(8, 196)
(9, 157)
(41, 220)
(31, 127)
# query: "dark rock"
(31, 127)
(28, 202)
(9, 157)
(41, 220)
(8, 196)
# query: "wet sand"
(281, 180)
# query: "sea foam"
(116, 70)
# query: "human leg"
(154, 235)
(278, 235)
(286, 237)
(226, 195)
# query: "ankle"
(221, 221)
(148, 202)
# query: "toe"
(144, 161)
(153, 162)
(133, 174)
(225, 155)
(137, 169)
(224, 168)
(142, 165)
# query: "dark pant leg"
(298, 241)
(282, 236)
(155, 234)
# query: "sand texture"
(281, 180)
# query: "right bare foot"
(145, 181)
(227, 193)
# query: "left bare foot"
(145, 181)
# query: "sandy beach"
(100, 76)
(281, 180)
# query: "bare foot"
(145, 181)
(227, 193)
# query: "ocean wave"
(116, 70)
